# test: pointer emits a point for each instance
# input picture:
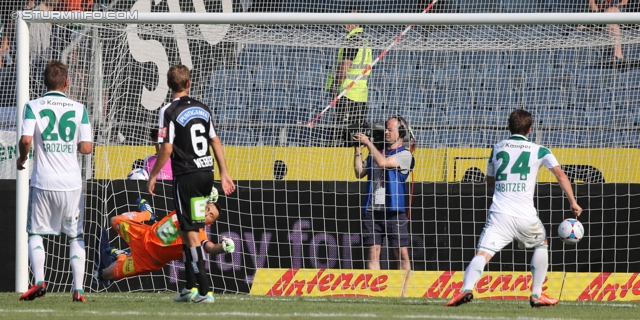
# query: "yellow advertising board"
(328, 282)
(602, 286)
(515, 285)
(336, 164)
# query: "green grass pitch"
(161, 306)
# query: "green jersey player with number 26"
(58, 128)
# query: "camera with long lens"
(374, 130)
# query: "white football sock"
(77, 260)
(37, 257)
(473, 272)
(539, 265)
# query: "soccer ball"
(138, 174)
(570, 231)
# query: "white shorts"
(501, 229)
(52, 212)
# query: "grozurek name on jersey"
(59, 147)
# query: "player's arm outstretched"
(565, 184)
(225, 246)
(212, 212)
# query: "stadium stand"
(473, 6)
(503, 78)
(445, 99)
(261, 56)
(627, 99)
(546, 78)
(515, 6)
(485, 84)
(483, 59)
(433, 87)
(453, 77)
(592, 99)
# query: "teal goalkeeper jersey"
(514, 164)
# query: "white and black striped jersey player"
(186, 123)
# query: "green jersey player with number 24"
(513, 169)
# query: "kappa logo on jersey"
(162, 132)
(192, 113)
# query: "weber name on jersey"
(57, 124)
(514, 163)
(186, 123)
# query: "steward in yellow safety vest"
(351, 109)
(348, 68)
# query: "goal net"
(298, 203)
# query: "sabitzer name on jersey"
(204, 162)
(511, 187)
(59, 147)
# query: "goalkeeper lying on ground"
(152, 246)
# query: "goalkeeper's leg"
(116, 270)
(126, 266)
(136, 216)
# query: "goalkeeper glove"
(213, 197)
(228, 245)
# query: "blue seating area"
(263, 93)
(453, 98)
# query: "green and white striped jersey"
(514, 164)
(57, 124)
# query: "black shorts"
(392, 225)
(348, 112)
(190, 194)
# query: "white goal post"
(23, 22)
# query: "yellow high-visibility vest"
(363, 59)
